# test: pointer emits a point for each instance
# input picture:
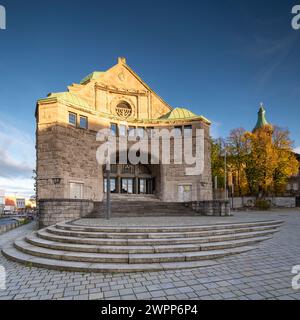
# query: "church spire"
(261, 119)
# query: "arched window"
(123, 110)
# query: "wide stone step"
(144, 213)
(68, 246)
(44, 234)
(141, 206)
(207, 251)
(220, 250)
(132, 198)
(32, 261)
(155, 235)
(164, 229)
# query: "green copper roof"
(69, 98)
(179, 113)
(91, 76)
(261, 120)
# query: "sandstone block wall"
(59, 210)
(212, 208)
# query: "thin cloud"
(275, 53)
(297, 150)
(19, 187)
(17, 159)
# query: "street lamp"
(107, 168)
(225, 172)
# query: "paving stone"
(95, 296)
(112, 293)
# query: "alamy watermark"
(2, 18)
(162, 146)
(2, 278)
(296, 278)
(296, 18)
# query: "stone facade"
(69, 178)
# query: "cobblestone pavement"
(264, 273)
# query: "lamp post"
(108, 202)
(107, 169)
(225, 173)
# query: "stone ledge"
(7, 227)
(65, 200)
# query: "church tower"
(261, 119)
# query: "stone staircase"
(70, 247)
(139, 206)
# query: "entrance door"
(185, 193)
(127, 185)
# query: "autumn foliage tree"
(238, 150)
(217, 161)
(262, 161)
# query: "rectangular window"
(113, 129)
(122, 130)
(72, 118)
(140, 132)
(178, 131)
(76, 190)
(127, 186)
(142, 186)
(150, 132)
(83, 122)
(131, 131)
(188, 130)
(113, 187)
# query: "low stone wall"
(212, 208)
(244, 202)
(53, 211)
(6, 227)
(286, 202)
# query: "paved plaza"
(263, 273)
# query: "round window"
(123, 109)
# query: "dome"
(179, 113)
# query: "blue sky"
(217, 58)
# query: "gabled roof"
(94, 75)
(73, 99)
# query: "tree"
(237, 152)
(262, 161)
(287, 163)
(217, 160)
